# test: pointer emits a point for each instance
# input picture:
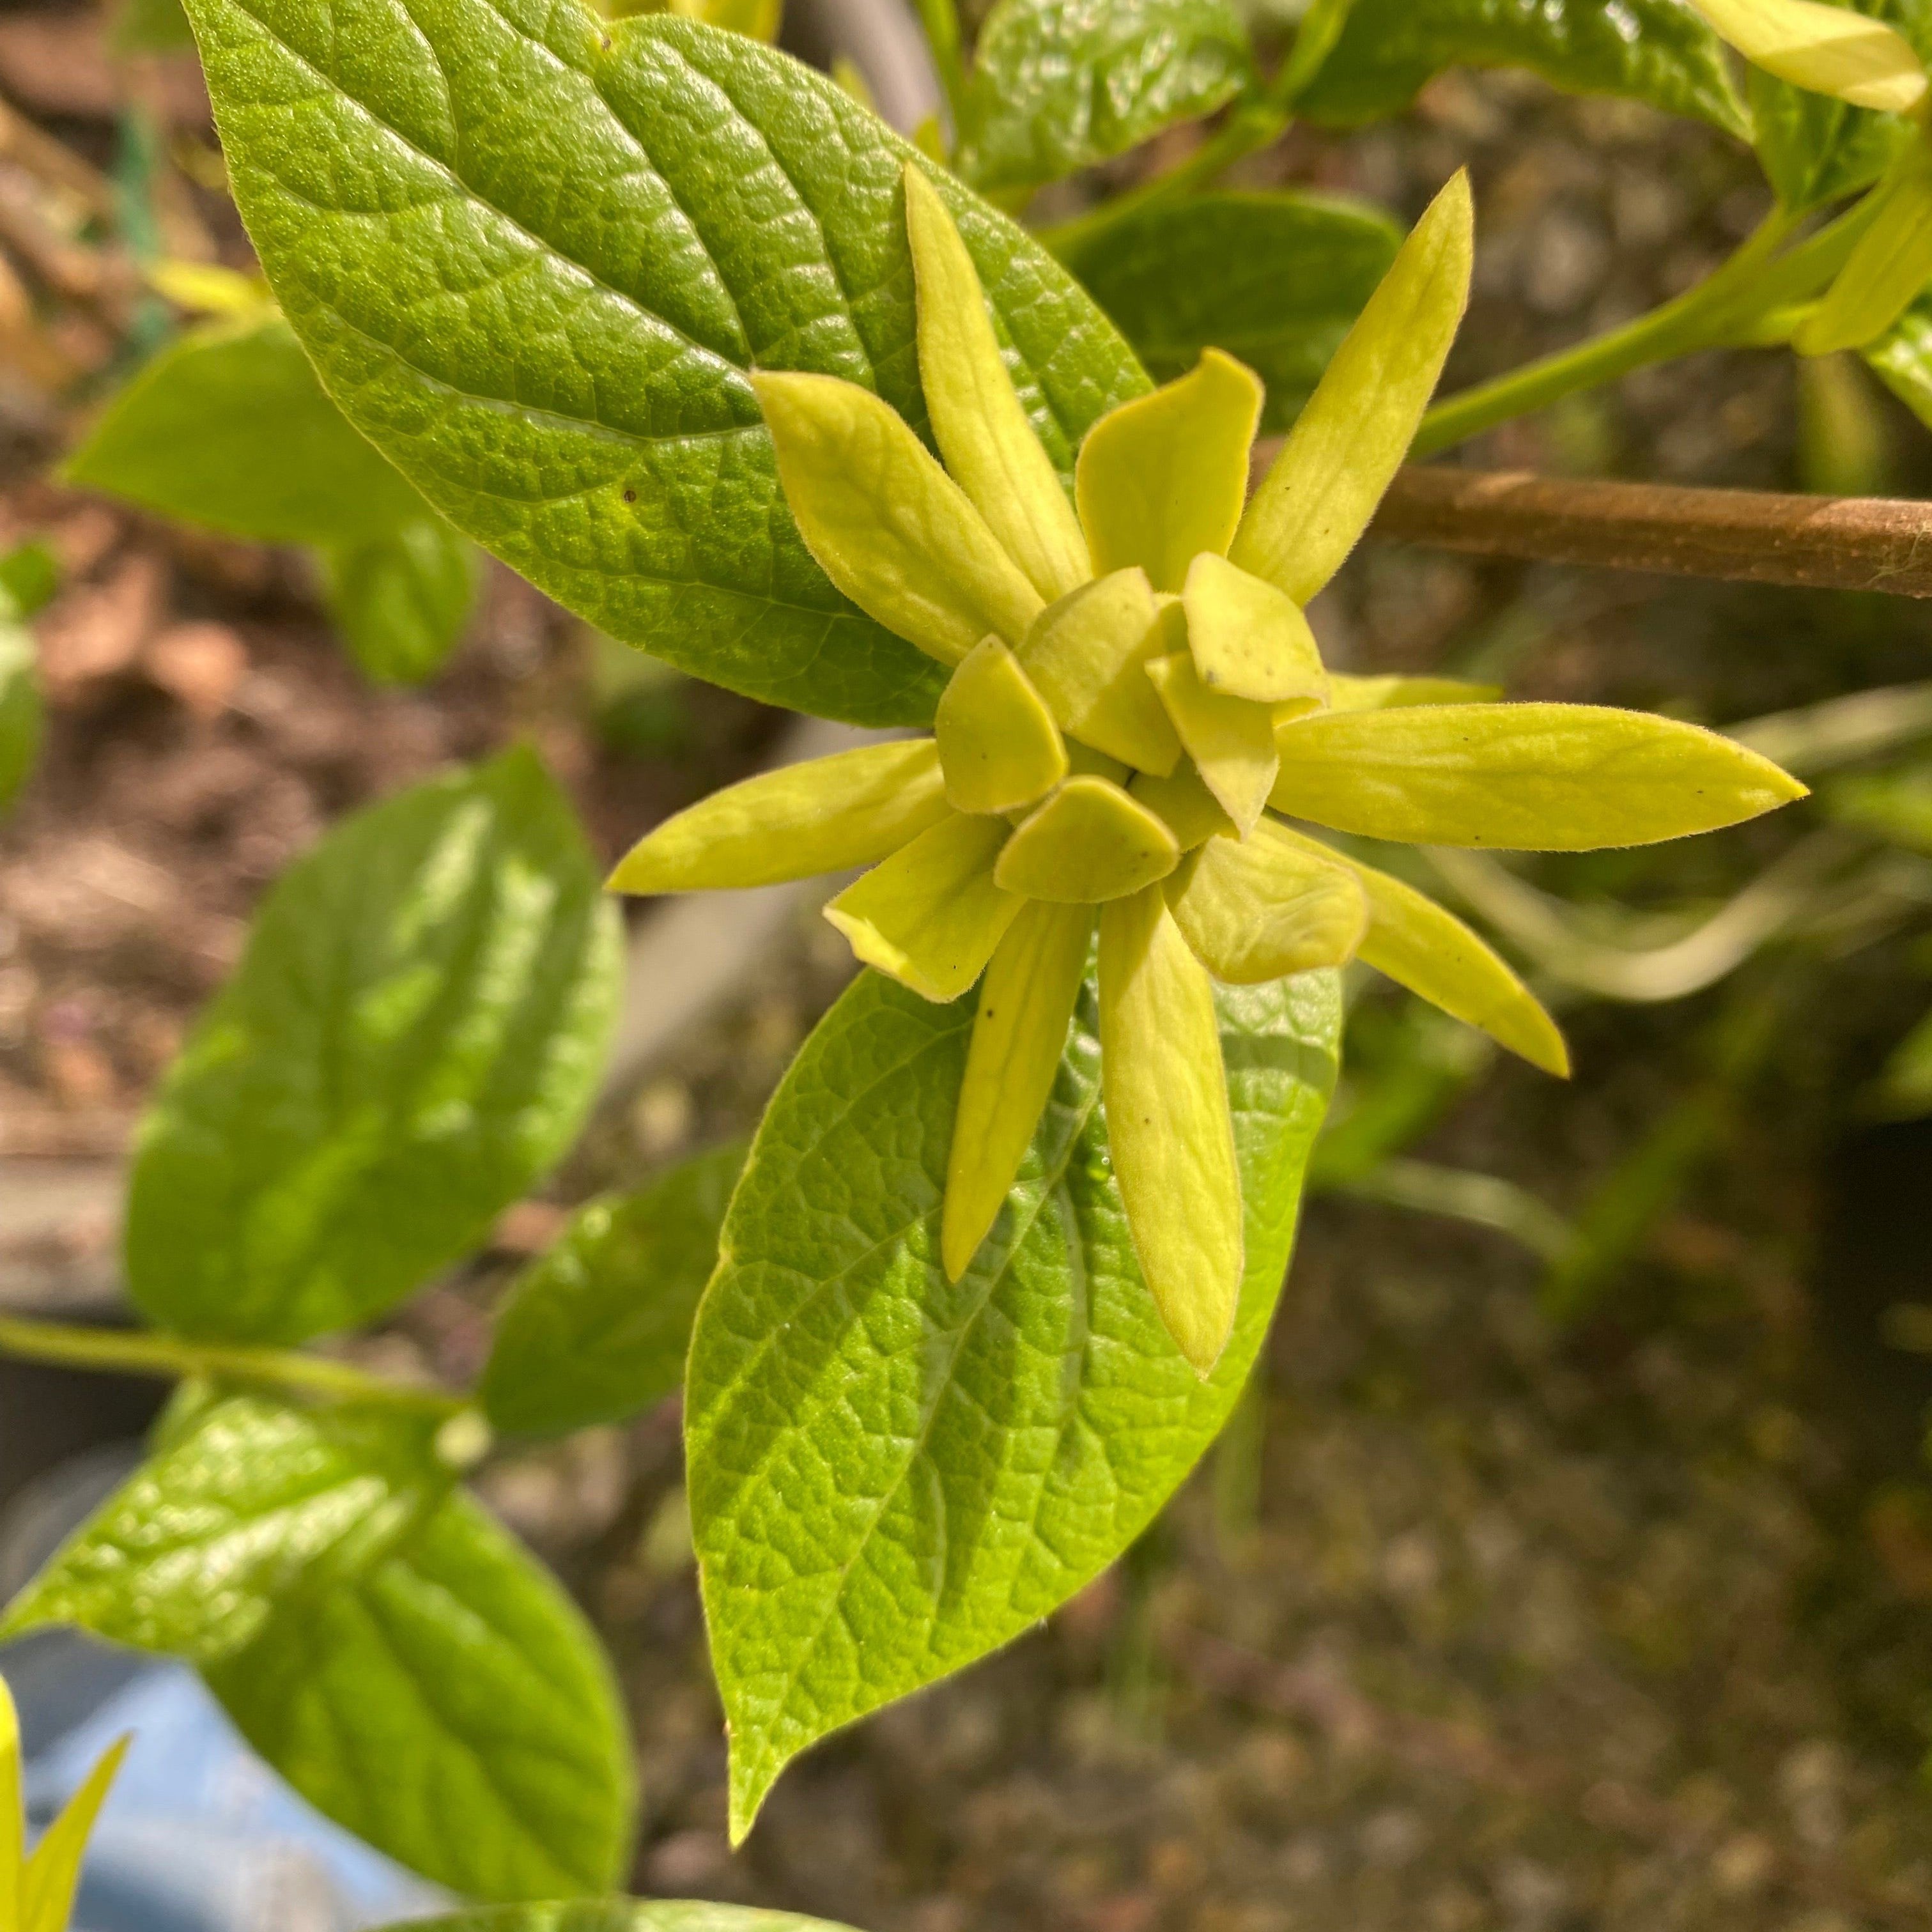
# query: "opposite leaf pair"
(1134, 684)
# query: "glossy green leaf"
(623, 1915)
(1258, 908)
(411, 1040)
(1058, 84)
(534, 256)
(1089, 842)
(229, 428)
(826, 815)
(402, 601)
(1273, 279)
(1658, 52)
(924, 1470)
(255, 1503)
(451, 1708)
(1087, 655)
(595, 1330)
(999, 747)
(22, 710)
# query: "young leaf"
(1903, 358)
(53, 1874)
(403, 600)
(21, 710)
(255, 1503)
(410, 1040)
(596, 1330)
(1058, 84)
(534, 255)
(891, 1475)
(452, 1708)
(1828, 48)
(1273, 279)
(1656, 51)
(622, 1915)
(1889, 268)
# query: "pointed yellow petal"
(827, 815)
(1188, 809)
(1247, 639)
(1230, 741)
(53, 1872)
(1828, 49)
(931, 916)
(1163, 478)
(1524, 778)
(1089, 842)
(1165, 1092)
(887, 525)
(1347, 693)
(978, 420)
(998, 745)
(1421, 946)
(13, 1848)
(1086, 653)
(1026, 1002)
(1259, 908)
(1890, 264)
(1347, 445)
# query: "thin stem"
(144, 1353)
(940, 19)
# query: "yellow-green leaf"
(998, 745)
(931, 915)
(1525, 778)
(1247, 639)
(1190, 810)
(981, 426)
(13, 1848)
(1347, 445)
(53, 1872)
(1087, 654)
(1163, 478)
(1889, 267)
(829, 815)
(1230, 741)
(1259, 908)
(1026, 1003)
(1089, 842)
(1422, 947)
(1349, 693)
(887, 525)
(1166, 1091)
(1832, 50)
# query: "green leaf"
(22, 712)
(411, 1040)
(1656, 51)
(452, 1707)
(624, 1915)
(1903, 358)
(403, 600)
(229, 428)
(1059, 85)
(534, 255)
(597, 1329)
(1273, 279)
(151, 27)
(256, 1504)
(30, 574)
(891, 1476)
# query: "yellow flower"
(1135, 694)
(36, 1893)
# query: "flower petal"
(978, 420)
(827, 815)
(1230, 741)
(1166, 1091)
(1259, 908)
(887, 525)
(1828, 49)
(998, 745)
(1890, 264)
(1421, 946)
(1089, 842)
(931, 916)
(1526, 778)
(1247, 639)
(1185, 804)
(1085, 653)
(1163, 478)
(12, 1844)
(1026, 1003)
(1347, 445)
(1348, 693)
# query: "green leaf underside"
(1059, 85)
(624, 1915)
(597, 1328)
(924, 1470)
(1273, 279)
(403, 600)
(410, 1040)
(533, 256)
(229, 428)
(1656, 51)
(452, 1708)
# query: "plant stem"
(940, 19)
(144, 1353)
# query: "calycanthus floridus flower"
(1137, 709)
